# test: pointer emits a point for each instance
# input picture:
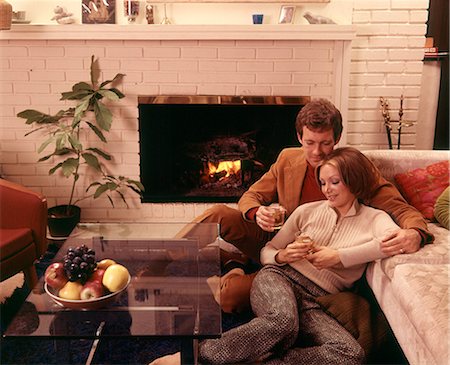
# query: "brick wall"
(386, 61)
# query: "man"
(291, 182)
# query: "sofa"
(413, 289)
(23, 228)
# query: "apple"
(105, 263)
(71, 290)
(97, 275)
(92, 289)
(55, 276)
(116, 277)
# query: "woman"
(345, 235)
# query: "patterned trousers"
(289, 327)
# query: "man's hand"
(324, 257)
(401, 241)
(264, 218)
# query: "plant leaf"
(117, 92)
(103, 115)
(75, 142)
(92, 161)
(98, 151)
(108, 94)
(69, 166)
(97, 131)
(116, 78)
(45, 144)
(137, 183)
(82, 106)
(54, 168)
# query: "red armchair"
(23, 228)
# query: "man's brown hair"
(357, 172)
(320, 115)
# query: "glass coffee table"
(169, 295)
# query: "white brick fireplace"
(43, 61)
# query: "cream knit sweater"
(356, 237)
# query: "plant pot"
(62, 220)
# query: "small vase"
(5, 15)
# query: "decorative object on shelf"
(258, 18)
(149, 15)
(317, 19)
(387, 121)
(73, 153)
(165, 20)
(286, 14)
(5, 15)
(62, 16)
(131, 8)
(98, 11)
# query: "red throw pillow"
(421, 187)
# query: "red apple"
(91, 290)
(97, 275)
(55, 276)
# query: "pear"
(71, 290)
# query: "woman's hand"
(293, 252)
(324, 257)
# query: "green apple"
(105, 263)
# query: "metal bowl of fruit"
(79, 282)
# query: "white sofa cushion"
(422, 291)
(434, 253)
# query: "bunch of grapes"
(79, 263)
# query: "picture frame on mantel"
(286, 14)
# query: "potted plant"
(65, 131)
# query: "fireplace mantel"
(331, 32)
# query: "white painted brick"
(76, 51)
(358, 66)
(363, 127)
(408, 29)
(361, 17)
(372, 29)
(361, 42)
(385, 91)
(404, 79)
(6, 88)
(68, 64)
(388, 42)
(139, 65)
(13, 76)
(410, 4)
(254, 90)
(369, 55)
(389, 16)
(181, 65)
(291, 90)
(409, 54)
(416, 42)
(161, 53)
(8, 99)
(48, 75)
(312, 54)
(414, 67)
(310, 78)
(208, 77)
(371, 4)
(273, 78)
(385, 66)
(367, 79)
(237, 53)
(46, 52)
(217, 89)
(199, 52)
(178, 90)
(358, 91)
(285, 66)
(418, 16)
(14, 51)
(254, 66)
(28, 64)
(274, 53)
(39, 88)
(124, 52)
(218, 66)
(160, 77)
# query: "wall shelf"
(179, 32)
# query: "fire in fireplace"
(211, 148)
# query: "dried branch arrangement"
(385, 112)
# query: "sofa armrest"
(21, 207)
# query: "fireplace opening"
(211, 148)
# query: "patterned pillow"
(441, 208)
(421, 187)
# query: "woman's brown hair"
(358, 173)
